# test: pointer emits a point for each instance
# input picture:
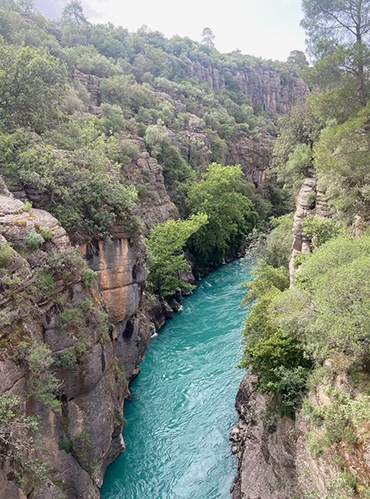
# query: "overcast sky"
(266, 28)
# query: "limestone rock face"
(92, 390)
(154, 204)
(264, 87)
(274, 457)
(310, 201)
(93, 387)
(264, 446)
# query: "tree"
(343, 163)
(297, 60)
(220, 194)
(166, 242)
(18, 432)
(27, 6)
(32, 84)
(343, 25)
(73, 11)
(208, 37)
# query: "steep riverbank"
(182, 407)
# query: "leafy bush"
(319, 230)
(43, 384)
(31, 87)
(44, 281)
(65, 263)
(279, 241)
(88, 278)
(66, 445)
(343, 165)
(6, 254)
(328, 308)
(33, 240)
(17, 436)
(45, 232)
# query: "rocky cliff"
(281, 458)
(264, 87)
(95, 332)
(309, 201)
(320, 452)
(265, 447)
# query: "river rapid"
(182, 408)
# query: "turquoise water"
(177, 439)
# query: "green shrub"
(45, 282)
(311, 200)
(87, 278)
(4, 319)
(19, 437)
(33, 240)
(70, 316)
(61, 262)
(27, 206)
(314, 444)
(43, 384)
(45, 232)
(66, 445)
(9, 280)
(319, 230)
(279, 241)
(6, 254)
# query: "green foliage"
(45, 232)
(220, 195)
(265, 279)
(328, 307)
(66, 445)
(167, 259)
(342, 160)
(62, 263)
(340, 25)
(17, 436)
(6, 254)
(279, 241)
(88, 278)
(33, 240)
(277, 359)
(86, 190)
(31, 87)
(4, 319)
(292, 153)
(43, 384)
(344, 420)
(45, 282)
(319, 230)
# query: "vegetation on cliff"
(309, 341)
(98, 126)
(80, 102)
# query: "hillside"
(106, 138)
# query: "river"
(177, 437)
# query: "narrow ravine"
(177, 439)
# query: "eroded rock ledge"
(265, 447)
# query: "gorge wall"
(93, 359)
(280, 457)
